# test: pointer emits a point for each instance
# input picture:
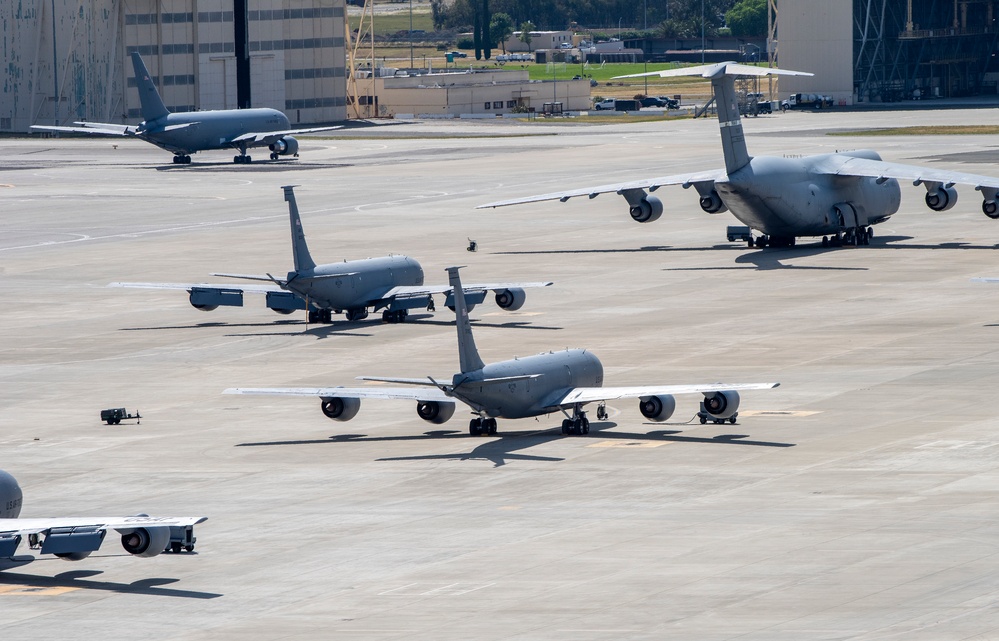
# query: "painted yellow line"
(30, 590)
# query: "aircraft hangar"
(889, 50)
(66, 60)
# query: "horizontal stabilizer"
(264, 278)
(104, 130)
(718, 70)
(391, 393)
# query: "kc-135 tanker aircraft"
(392, 283)
(183, 134)
(837, 196)
(518, 388)
(74, 538)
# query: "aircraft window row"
(296, 14)
(312, 103)
(216, 47)
(153, 18)
(215, 16)
(304, 43)
(308, 74)
(167, 81)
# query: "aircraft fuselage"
(791, 197)
(209, 129)
(356, 283)
(553, 371)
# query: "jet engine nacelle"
(283, 312)
(285, 146)
(991, 209)
(648, 209)
(712, 203)
(721, 405)
(941, 198)
(146, 542)
(204, 308)
(657, 408)
(341, 409)
(435, 412)
(511, 299)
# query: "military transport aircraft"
(392, 283)
(838, 196)
(74, 538)
(183, 134)
(518, 388)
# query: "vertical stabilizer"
(152, 105)
(733, 140)
(468, 354)
(303, 260)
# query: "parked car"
(653, 101)
(671, 103)
(607, 104)
(457, 54)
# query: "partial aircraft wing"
(428, 394)
(99, 128)
(651, 184)
(39, 525)
(568, 397)
(423, 290)
(267, 137)
(253, 289)
(862, 167)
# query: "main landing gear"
(772, 241)
(321, 316)
(398, 316)
(578, 424)
(357, 314)
(854, 236)
(485, 426)
(242, 159)
(182, 159)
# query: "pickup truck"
(799, 100)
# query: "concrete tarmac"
(857, 501)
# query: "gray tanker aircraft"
(523, 387)
(183, 134)
(73, 539)
(391, 283)
(838, 196)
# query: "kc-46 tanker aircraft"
(392, 283)
(74, 538)
(183, 134)
(838, 196)
(562, 381)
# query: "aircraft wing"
(862, 167)
(985, 279)
(403, 291)
(99, 128)
(253, 289)
(651, 184)
(39, 525)
(395, 393)
(567, 397)
(271, 136)
(718, 69)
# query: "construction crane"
(358, 105)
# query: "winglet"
(299, 248)
(152, 105)
(468, 355)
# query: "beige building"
(484, 92)
(71, 63)
(539, 40)
(817, 36)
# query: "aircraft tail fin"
(468, 354)
(299, 248)
(722, 76)
(152, 105)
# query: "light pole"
(410, 34)
(702, 32)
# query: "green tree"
(748, 18)
(526, 28)
(500, 29)
(486, 21)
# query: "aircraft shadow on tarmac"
(499, 450)
(76, 579)
(267, 165)
(339, 328)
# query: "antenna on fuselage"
(468, 354)
(299, 248)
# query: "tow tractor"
(705, 417)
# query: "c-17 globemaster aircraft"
(392, 283)
(837, 196)
(74, 538)
(183, 134)
(532, 386)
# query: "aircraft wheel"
(474, 426)
(238, 160)
(489, 426)
(750, 242)
(586, 425)
(566, 426)
(274, 156)
(314, 316)
(177, 160)
(825, 241)
(248, 160)
(326, 316)
(761, 242)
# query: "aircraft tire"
(274, 156)
(238, 160)
(474, 426)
